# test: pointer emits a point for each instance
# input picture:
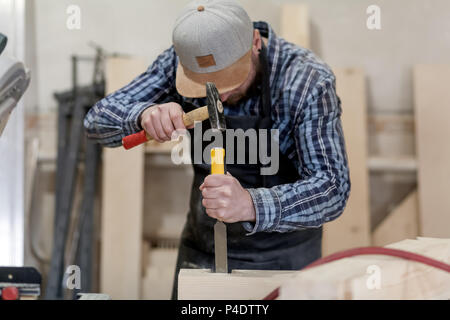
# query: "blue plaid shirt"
(305, 110)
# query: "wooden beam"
(432, 110)
(402, 223)
(122, 202)
(376, 277)
(352, 228)
(295, 24)
(349, 278)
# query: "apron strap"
(266, 100)
(265, 83)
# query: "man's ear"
(256, 42)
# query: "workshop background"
(396, 124)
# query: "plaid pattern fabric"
(305, 110)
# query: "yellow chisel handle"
(218, 161)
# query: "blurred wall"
(413, 31)
(137, 27)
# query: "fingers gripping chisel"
(217, 120)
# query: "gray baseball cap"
(213, 41)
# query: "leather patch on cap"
(206, 61)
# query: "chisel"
(220, 229)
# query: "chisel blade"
(220, 247)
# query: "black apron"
(262, 250)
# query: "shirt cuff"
(131, 123)
(268, 211)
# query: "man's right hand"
(160, 121)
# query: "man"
(274, 221)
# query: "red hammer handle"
(134, 140)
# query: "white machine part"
(14, 80)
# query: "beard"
(249, 91)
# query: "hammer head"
(215, 107)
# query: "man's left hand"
(226, 200)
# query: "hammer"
(209, 111)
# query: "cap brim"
(192, 85)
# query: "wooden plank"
(295, 24)
(158, 281)
(202, 284)
(122, 202)
(432, 110)
(354, 278)
(352, 228)
(392, 164)
(343, 279)
(402, 223)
